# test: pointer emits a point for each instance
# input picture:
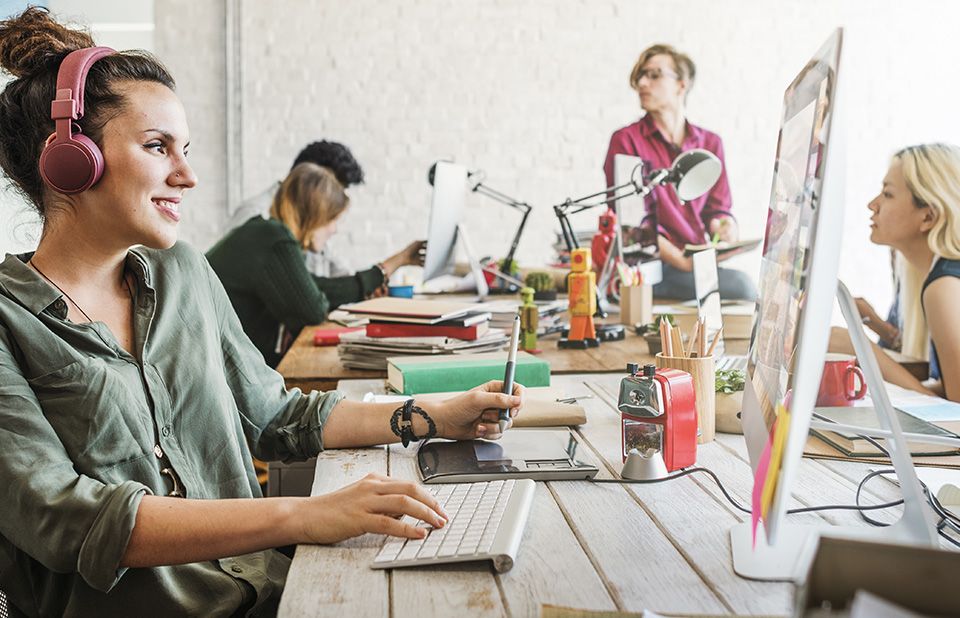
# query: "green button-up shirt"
(85, 429)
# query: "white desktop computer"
(791, 328)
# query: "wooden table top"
(311, 367)
(663, 547)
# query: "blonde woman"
(261, 263)
(917, 213)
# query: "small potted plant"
(651, 333)
(729, 403)
(542, 284)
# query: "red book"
(331, 336)
(399, 329)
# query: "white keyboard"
(486, 523)
(731, 362)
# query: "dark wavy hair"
(335, 157)
(32, 46)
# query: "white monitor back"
(630, 207)
(706, 284)
(446, 211)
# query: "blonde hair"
(932, 174)
(685, 67)
(308, 198)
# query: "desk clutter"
(384, 327)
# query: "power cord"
(740, 507)
(947, 519)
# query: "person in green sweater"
(261, 263)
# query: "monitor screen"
(446, 211)
(798, 277)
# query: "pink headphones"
(70, 161)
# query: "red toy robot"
(658, 414)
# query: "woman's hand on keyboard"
(474, 414)
(374, 504)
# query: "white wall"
(530, 91)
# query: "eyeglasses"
(655, 74)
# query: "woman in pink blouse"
(663, 77)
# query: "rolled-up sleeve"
(279, 424)
(66, 521)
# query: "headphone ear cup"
(71, 165)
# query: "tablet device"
(542, 455)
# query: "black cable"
(740, 507)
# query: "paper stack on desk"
(399, 326)
(358, 351)
(552, 314)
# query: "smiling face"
(659, 85)
(897, 220)
(146, 174)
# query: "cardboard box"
(921, 579)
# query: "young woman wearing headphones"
(130, 399)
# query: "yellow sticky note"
(776, 459)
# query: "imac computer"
(449, 182)
(791, 329)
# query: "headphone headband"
(68, 104)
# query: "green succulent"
(730, 380)
(654, 327)
(539, 281)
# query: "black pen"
(508, 372)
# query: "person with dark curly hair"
(131, 401)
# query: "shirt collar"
(24, 285)
(694, 139)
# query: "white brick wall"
(530, 92)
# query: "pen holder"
(636, 304)
(704, 385)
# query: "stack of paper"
(552, 314)
(401, 326)
(358, 351)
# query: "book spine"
(441, 379)
(468, 333)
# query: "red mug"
(842, 382)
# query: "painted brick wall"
(530, 92)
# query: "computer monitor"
(446, 212)
(791, 327)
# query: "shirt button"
(165, 431)
(236, 569)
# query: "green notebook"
(412, 375)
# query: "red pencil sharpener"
(658, 415)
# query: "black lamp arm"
(512, 203)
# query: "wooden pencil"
(694, 338)
(677, 341)
(702, 338)
(667, 339)
(713, 344)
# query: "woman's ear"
(929, 219)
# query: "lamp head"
(694, 172)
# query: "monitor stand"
(475, 268)
(788, 558)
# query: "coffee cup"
(842, 382)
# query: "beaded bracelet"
(402, 425)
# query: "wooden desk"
(663, 547)
(310, 367)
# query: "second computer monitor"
(446, 212)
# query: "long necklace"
(79, 308)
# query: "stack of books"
(400, 326)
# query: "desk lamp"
(507, 271)
(692, 174)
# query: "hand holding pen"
(504, 417)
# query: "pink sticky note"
(759, 480)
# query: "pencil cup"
(636, 304)
(704, 386)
